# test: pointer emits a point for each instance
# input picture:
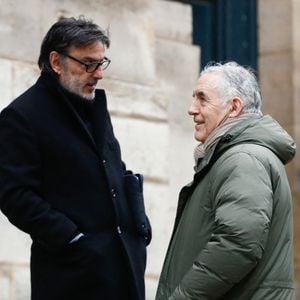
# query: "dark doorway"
(225, 30)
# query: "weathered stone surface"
(5, 284)
(16, 247)
(296, 23)
(140, 141)
(5, 82)
(177, 70)
(161, 214)
(132, 48)
(134, 100)
(275, 26)
(21, 286)
(179, 26)
(15, 78)
(131, 33)
(149, 86)
(151, 287)
(181, 159)
(276, 87)
(20, 29)
(51, 11)
(279, 63)
(24, 75)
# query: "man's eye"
(203, 101)
(91, 63)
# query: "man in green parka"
(233, 237)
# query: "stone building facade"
(149, 86)
(149, 83)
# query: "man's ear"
(55, 62)
(236, 107)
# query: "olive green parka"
(233, 238)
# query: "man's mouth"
(92, 84)
(198, 125)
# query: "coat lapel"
(81, 124)
(100, 120)
(99, 116)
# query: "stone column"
(279, 74)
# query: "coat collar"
(225, 143)
(99, 113)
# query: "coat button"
(104, 161)
(119, 230)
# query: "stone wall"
(279, 74)
(149, 86)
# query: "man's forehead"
(207, 85)
(209, 80)
(88, 47)
(94, 50)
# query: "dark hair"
(68, 32)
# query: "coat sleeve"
(21, 187)
(242, 195)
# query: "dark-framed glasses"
(91, 67)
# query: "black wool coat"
(61, 175)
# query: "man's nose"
(194, 109)
(98, 74)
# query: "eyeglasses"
(91, 67)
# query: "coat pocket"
(134, 193)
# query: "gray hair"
(237, 81)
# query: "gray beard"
(74, 90)
(90, 98)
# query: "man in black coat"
(62, 179)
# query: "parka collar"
(259, 130)
(224, 142)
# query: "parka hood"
(264, 131)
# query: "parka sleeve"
(242, 195)
(21, 196)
